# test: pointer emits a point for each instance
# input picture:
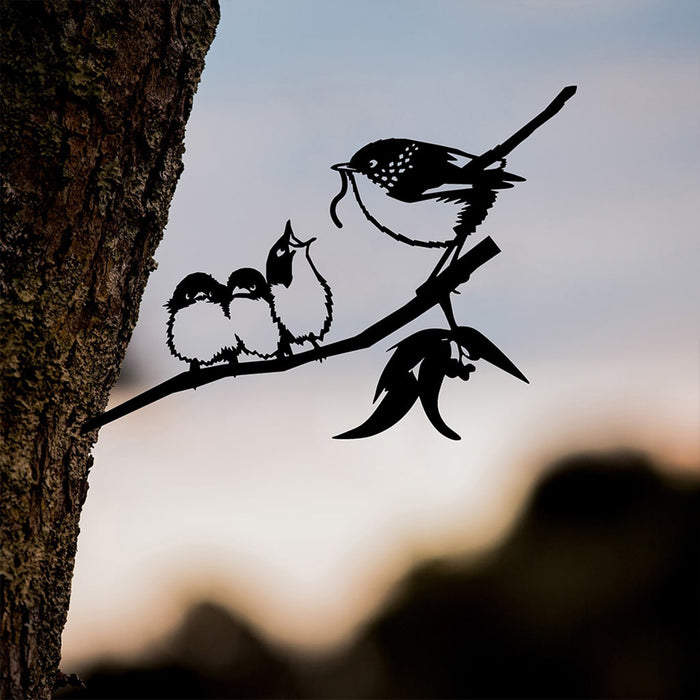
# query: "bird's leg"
(195, 366)
(317, 347)
(448, 257)
(230, 355)
(443, 261)
(425, 287)
(284, 347)
(457, 248)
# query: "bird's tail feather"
(498, 179)
(472, 216)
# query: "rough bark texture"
(95, 98)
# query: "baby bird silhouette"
(199, 326)
(252, 328)
(302, 302)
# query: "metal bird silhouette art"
(198, 330)
(388, 174)
(250, 308)
(261, 323)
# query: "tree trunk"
(95, 98)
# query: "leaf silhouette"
(408, 353)
(429, 352)
(393, 407)
(430, 377)
(479, 347)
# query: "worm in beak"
(343, 169)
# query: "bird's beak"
(344, 167)
(288, 232)
(294, 241)
(238, 292)
(302, 244)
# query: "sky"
(237, 491)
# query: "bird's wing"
(448, 193)
(458, 158)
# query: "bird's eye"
(279, 252)
(373, 163)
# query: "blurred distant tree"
(594, 594)
(95, 98)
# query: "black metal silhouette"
(435, 354)
(199, 301)
(393, 173)
(421, 362)
(209, 322)
(411, 171)
(408, 171)
(450, 278)
(302, 301)
(250, 309)
(251, 315)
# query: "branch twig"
(427, 297)
(503, 149)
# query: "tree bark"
(95, 98)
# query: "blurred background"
(231, 548)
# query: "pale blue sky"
(405, 37)
(594, 297)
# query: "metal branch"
(430, 294)
(503, 149)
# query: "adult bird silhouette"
(429, 195)
(423, 194)
(389, 173)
